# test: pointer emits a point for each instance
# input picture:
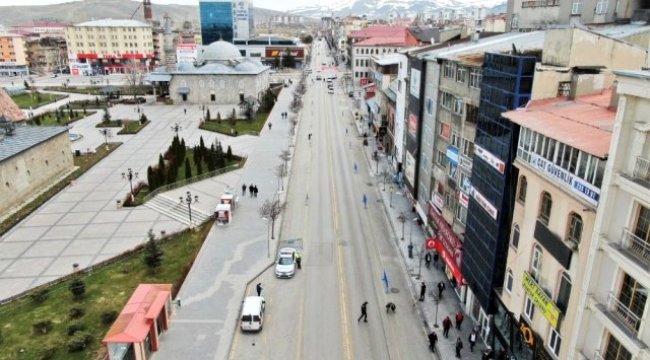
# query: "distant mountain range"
(85, 10)
(387, 8)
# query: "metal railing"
(621, 312)
(597, 356)
(642, 169)
(637, 246)
(194, 179)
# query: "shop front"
(450, 249)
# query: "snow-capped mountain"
(386, 8)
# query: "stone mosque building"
(220, 75)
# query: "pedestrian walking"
(435, 259)
(441, 288)
(459, 346)
(472, 340)
(309, 136)
(243, 190)
(270, 126)
(365, 201)
(446, 325)
(355, 168)
(346, 131)
(427, 260)
(259, 289)
(433, 339)
(298, 260)
(255, 190)
(364, 312)
(423, 291)
(250, 190)
(185, 111)
(459, 319)
(391, 307)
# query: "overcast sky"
(267, 4)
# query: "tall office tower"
(216, 20)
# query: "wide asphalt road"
(346, 249)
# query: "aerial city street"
(220, 179)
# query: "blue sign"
(452, 155)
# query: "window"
(615, 350)
(459, 106)
(509, 280)
(461, 74)
(554, 342)
(461, 213)
(472, 114)
(442, 159)
(523, 187)
(564, 292)
(601, 7)
(475, 78)
(529, 308)
(515, 237)
(468, 148)
(536, 263)
(545, 208)
(429, 106)
(448, 70)
(455, 138)
(574, 232)
(356, 62)
(447, 100)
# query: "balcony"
(642, 171)
(621, 315)
(638, 248)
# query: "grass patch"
(241, 127)
(84, 162)
(108, 288)
(49, 118)
(97, 103)
(97, 90)
(27, 100)
(132, 127)
(112, 123)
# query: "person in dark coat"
(423, 291)
(459, 346)
(446, 325)
(250, 190)
(472, 340)
(441, 288)
(364, 312)
(391, 307)
(259, 289)
(243, 190)
(255, 190)
(427, 260)
(459, 319)
(433, 339)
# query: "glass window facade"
(216, 21)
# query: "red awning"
(451, 263)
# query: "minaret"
(147, 10)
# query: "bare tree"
(271, 209)
(281, 172)
(285, 155)
(134, 76)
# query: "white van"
(252, 313)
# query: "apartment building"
(560, 161)
(382, 106)
(614, 296)
(539, 14)
(110, 46)
(13, 57)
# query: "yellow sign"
(539, 297)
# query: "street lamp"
(268, 236)
(189, 201)
(130, 175)
(401, 218)
(107, 133)
(176, 128)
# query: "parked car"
(285, 267)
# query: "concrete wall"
(24, 174)
(225, 87)
(519, 259)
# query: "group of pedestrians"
(284, 115)
(252, 190)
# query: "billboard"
(281, 51)
(185, 53)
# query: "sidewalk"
(450, 303)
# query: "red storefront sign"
(431, 243)
(279, 51)
(449, 242)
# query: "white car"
(285, 266)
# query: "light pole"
(107, 133)
(401, 218)
(391, 190)
(130, 175)
(437, 301)
(189, 201)
(268, 236)
(176, 128)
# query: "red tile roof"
(378, 41)
(379, 31)
(134, 322)
(585, 123)
(9, 109)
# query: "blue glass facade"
(507, 84)
(216, 21)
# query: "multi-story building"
(109, 46)
(534, 14)
(41, 28)
(613, 303)
(226, 20)
(270, 49)
(13, 57)
(47, 54)
(382, 111)
(561, 157)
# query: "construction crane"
(136, 10)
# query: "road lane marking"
(300, 324)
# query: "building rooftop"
(133, 323)
(386, 59)
(639, 74)
(379, 31)
(26, 137)
(8, 107)
(113, 23)
(382, 41)
(585, 123)
(425, 34)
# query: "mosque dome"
(247, 66)
(219, 51)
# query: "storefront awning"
(183, 90)
(373, 105)
(450, 261)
